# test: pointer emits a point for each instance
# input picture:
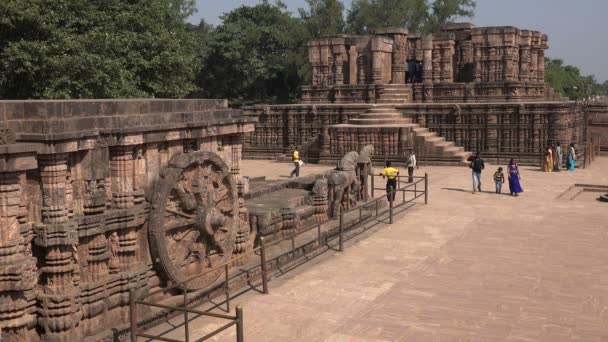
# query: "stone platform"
(481, 267)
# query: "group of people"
(413, 71)
(554, 155)
(391, 174)
(513, 176)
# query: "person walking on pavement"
(295, 158)
(411, 164)
(571, 164)
(391, 174)
(477, 165)
(558, 157)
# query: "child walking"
(499, 179)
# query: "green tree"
(447, 11)
(323, 17)
(568, 81)
(96, 48)
(416, 15)
(254, 56)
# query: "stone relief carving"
(7, 136)
(194, 217)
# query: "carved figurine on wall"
(114, 244)
(341, 183)
(364, 169)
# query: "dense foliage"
(568, 81)
(96, 48)
(417, 15)
(145, 48)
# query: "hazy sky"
(578, 30)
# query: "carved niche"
(194, 218)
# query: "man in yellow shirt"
(391, 183)
(295, 158)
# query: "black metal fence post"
(341, 230)
(426, 188)
(133, 315)
(240, 334)
(390, 208)
(186, 323)
(372, 186)
(263, 266)
(227, 282)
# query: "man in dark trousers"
(418, 72)
(477, 165)
(391, 183)
(411, 164)
(411, 69)
(295, 158)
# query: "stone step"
(380, 116)
(454, 149)
(395, 96)
(388, 121)
(383, 109)
(420, 130)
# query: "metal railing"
(362, 214)
(234, 320)
(592, 150)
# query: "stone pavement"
(481, 267)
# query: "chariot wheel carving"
(193, 218)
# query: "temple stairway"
(395, 93)
(428, 145)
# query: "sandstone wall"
(506, 129)
(75, 186)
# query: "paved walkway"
(481, 267)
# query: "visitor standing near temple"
(390, 173)
(499, 180)
(477, 165)
(514, 178)
(295, 158)
(412, 70)
(558, 157)
(418, 72)
(571, 158)
(548, 162)
(411, 164)
(552, 161)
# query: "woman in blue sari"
(571, 158)
(514, 177)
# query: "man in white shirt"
(410, 164)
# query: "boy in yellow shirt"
(391, 174)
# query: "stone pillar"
(353, 56)
(427, 51)
(59, 298)
(121, 172)
(477, 63)
(398, 58)
(492, 142)
(376, 67)
(540, 67)
(533, 64)
(18, 273)
(361, 69)
(524, 63)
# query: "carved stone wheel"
(193, 218)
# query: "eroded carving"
(194, 217)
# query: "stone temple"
(100, 198)
(482, 89)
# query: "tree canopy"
(417, 15)
(145, 48)
(96, 48)
(568, 81)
